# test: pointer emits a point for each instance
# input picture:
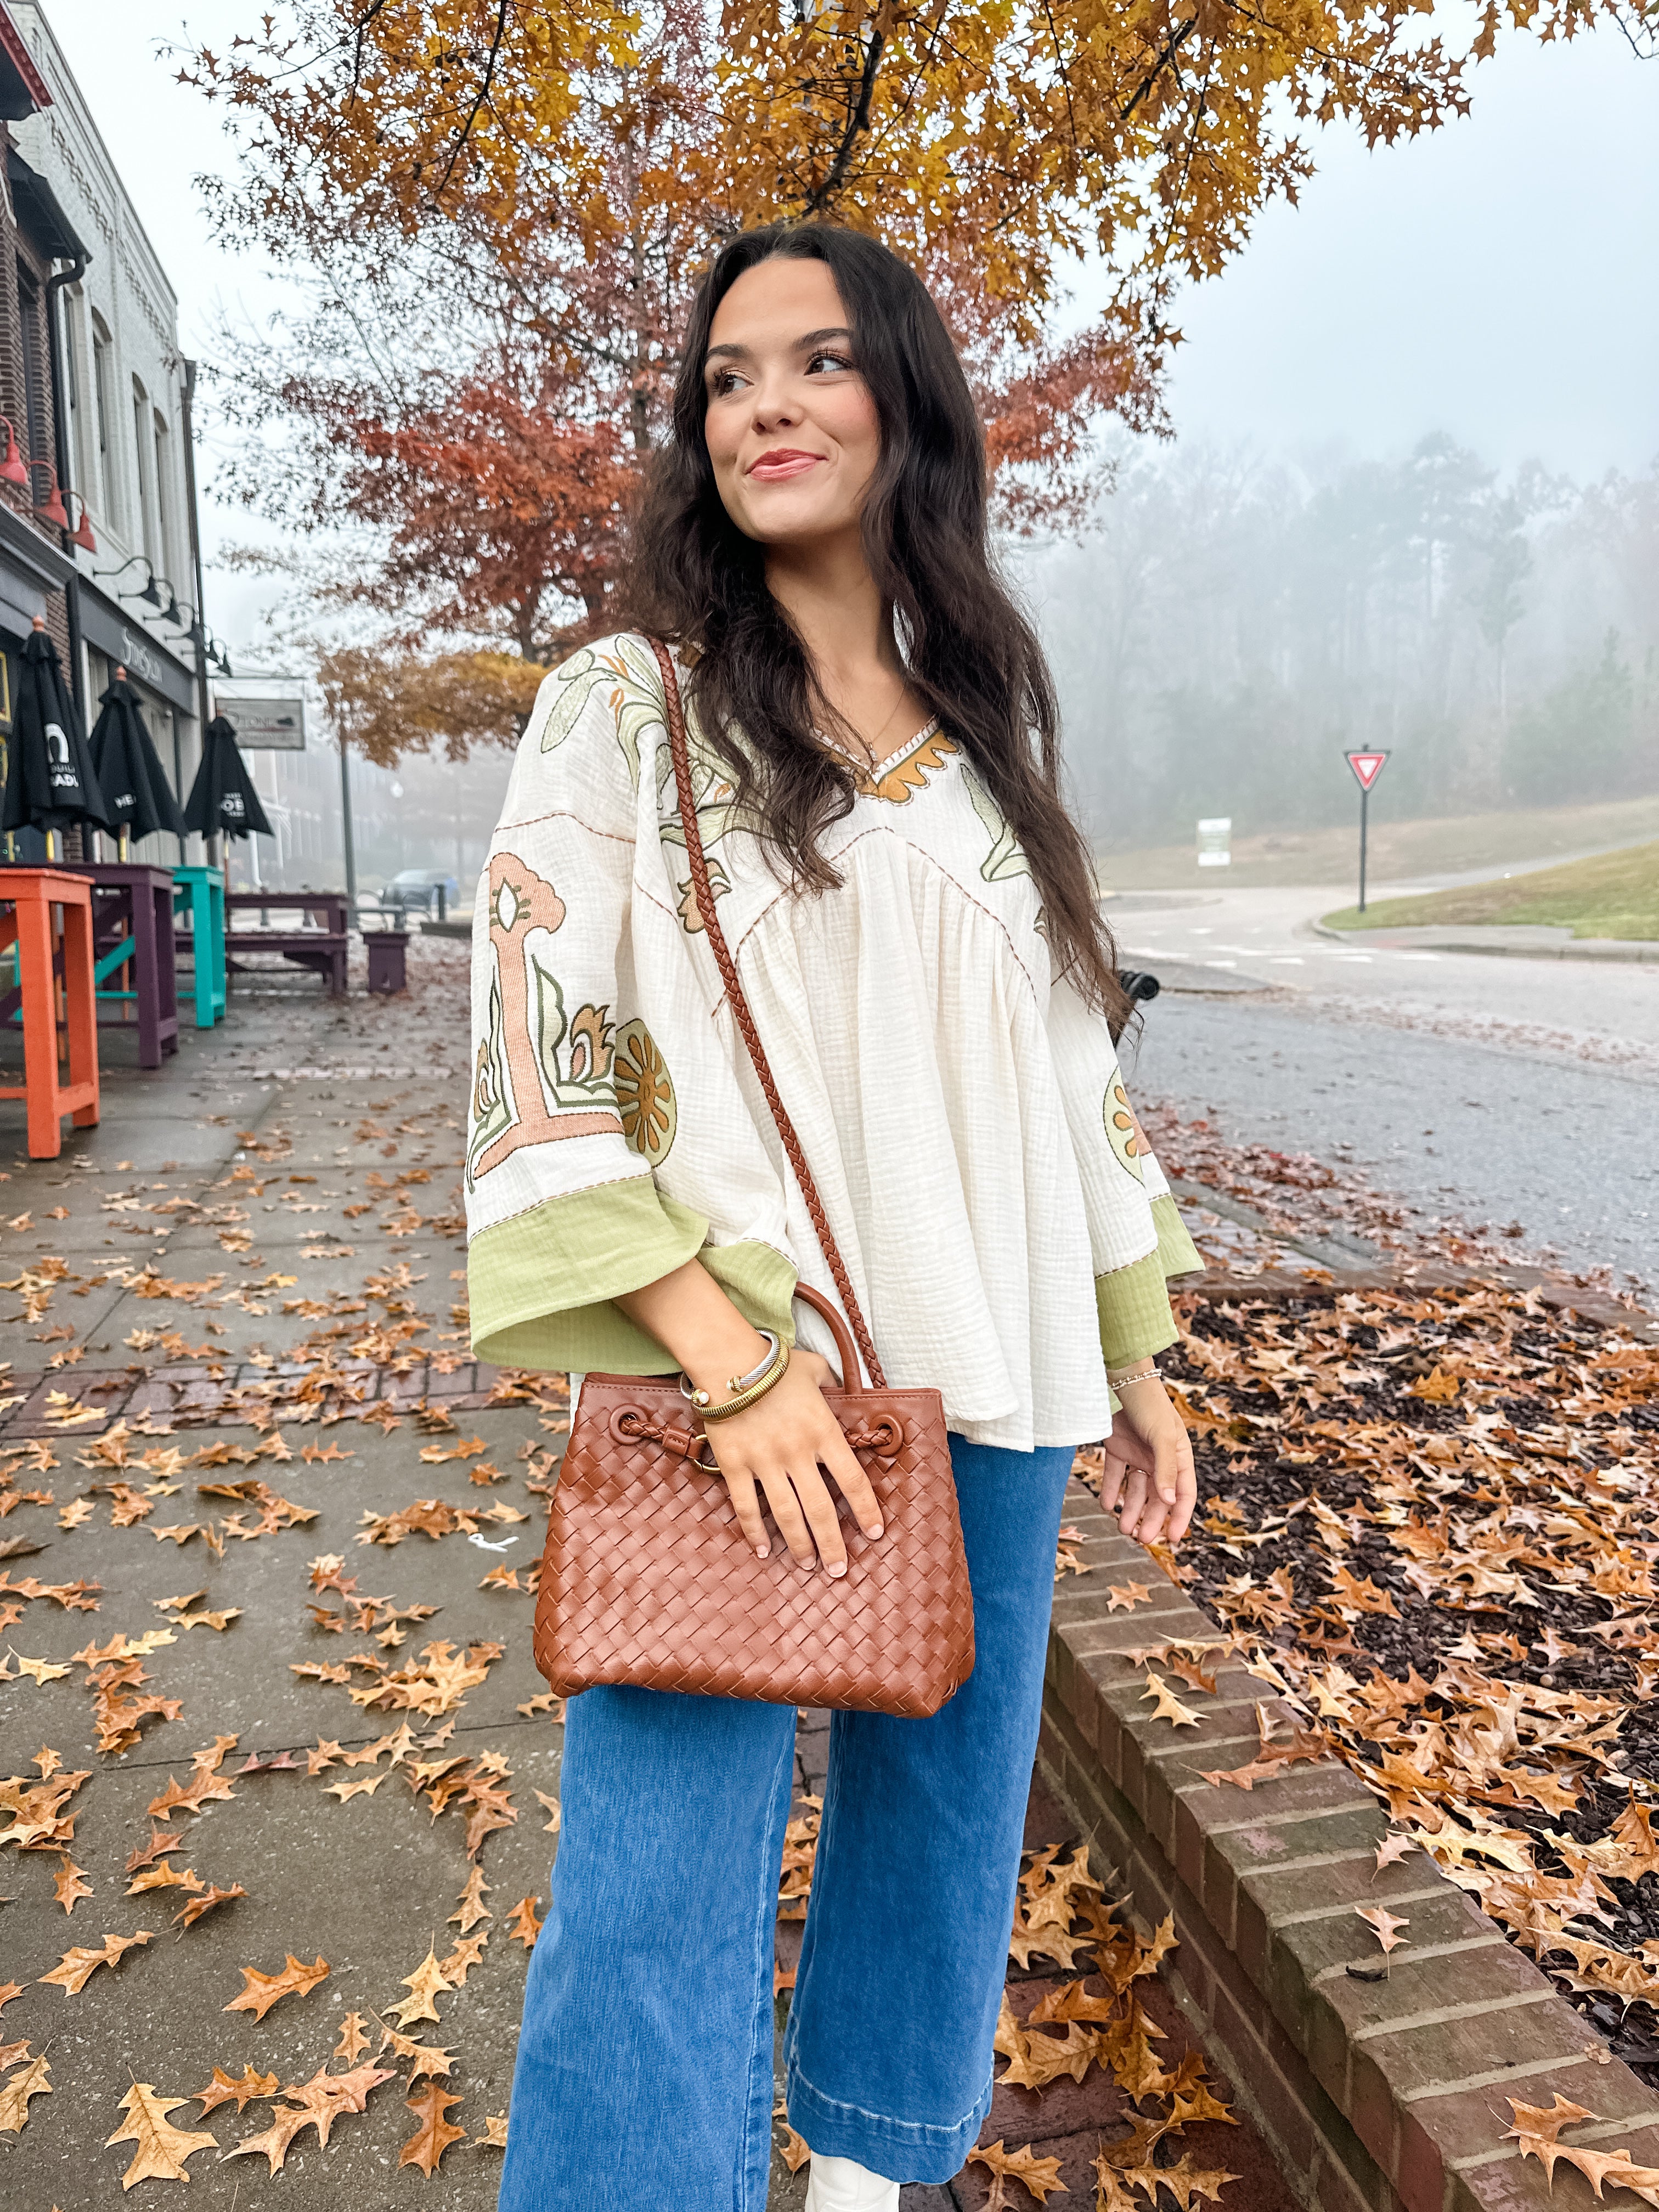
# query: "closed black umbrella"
(223, 797)
(50, 781)
(138, 795)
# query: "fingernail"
(763, 1552)
(877, 1530)
(839, 1568)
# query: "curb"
(1376, 2095)
(1583, 948)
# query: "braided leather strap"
(745, 1020)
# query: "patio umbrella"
(50, 781)
(139, 798)
(223, 797)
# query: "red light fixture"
(52, 509)
(14, 470)
(82, 535)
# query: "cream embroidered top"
(1005, 1225)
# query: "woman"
(874, 751)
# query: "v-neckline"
(876, 769)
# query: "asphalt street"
(1492, 1090)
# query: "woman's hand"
(781, 1448)
(1149, 1465)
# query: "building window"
(37, 423)
(102, 356)
(164, 506)
(143, 438)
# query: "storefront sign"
(125, 642)
(267, 724)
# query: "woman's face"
(791, 426)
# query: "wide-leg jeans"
(644, 2079)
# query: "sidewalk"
(250, 1280)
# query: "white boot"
(842, 2184)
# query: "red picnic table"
(45, 920)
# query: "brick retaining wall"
(1376, 2094)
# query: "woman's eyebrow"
(802, 345)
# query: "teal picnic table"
(199, 895)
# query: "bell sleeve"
(573, 1111)
(1136, 1235)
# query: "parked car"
(428, 891)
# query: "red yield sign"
(1367, 766)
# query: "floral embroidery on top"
(1006, 856)
(1127, 1137)
(644, 1093)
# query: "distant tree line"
(1231, 625)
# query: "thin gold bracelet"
(1144, 1370)
(773, 1375)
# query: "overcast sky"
(1495, 279)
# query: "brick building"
(96, 389)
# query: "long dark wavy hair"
(694, 578)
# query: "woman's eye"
(724, 382)
(827, 358)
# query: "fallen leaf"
(354, 2039)
(1168, 1707)
(319, 2103)
(550, 1826)
(425, 1985)
(75, 1969)
(472, 1907)
(161, 2148)
(433, 2137)
(1382, 1924)
(1040, 2175)
(261, 1991)
(69, 1885)
(1123, 1597)
(225, 2089)
(494, 2135)
(198, 1905)
(16, 2093)
(523, 1926)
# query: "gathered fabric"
(1005, 1224)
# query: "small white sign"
(1215, 838)
(268, 723)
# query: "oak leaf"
(1185, 2181)
(1382, 1924)
(161, 2148)
(317, 2103)
(165, 1875)
(425, 1985)
(1168, 1706)
(261, 1991)
(225, 2089)
(354, 2039)
(1123, 1597)
(69, 1885)
(523, 1927)
(433, 2137)
(472, 1907)
(16, 2093)
(1191, 2097)
(76, 1967)
(1040, 2175)
(494, 2135)
(197, 1907)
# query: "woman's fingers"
(852, 1482)
(787, 1512)
(819, 1508)
(740, 1489)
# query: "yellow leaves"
(260, 1990)
(77, 1967)
(1040, 2175)
(161, 2148)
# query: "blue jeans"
(644, 2077)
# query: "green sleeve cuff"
(759, 1281)
(540, 1286)
(1177, 1254)
(1135, 1320)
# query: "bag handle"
(749, 1033)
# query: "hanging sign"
(1215, 835)
(269, 723)
(1367, 766)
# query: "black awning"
(39, 215)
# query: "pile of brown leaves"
(1433, 1521)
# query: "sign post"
(1366, 767)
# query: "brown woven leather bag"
(647, 1577)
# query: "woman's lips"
(786, 461)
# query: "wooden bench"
(323, 950)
